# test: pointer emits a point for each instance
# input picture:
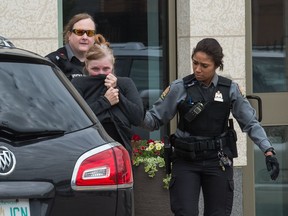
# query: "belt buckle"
(219, 144)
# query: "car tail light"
(105, 167)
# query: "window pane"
(269, 71)
(271, 197)
(269, 52)
(48, 105)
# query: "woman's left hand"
(110, 81)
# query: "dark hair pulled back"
(211, 47)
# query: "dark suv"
(144, 65)
(55, 157)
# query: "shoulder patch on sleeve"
(165, 92)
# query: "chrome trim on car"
(85, 156)
(7, 161)
(4, 42)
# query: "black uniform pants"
(188, 177)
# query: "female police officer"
(204, 145)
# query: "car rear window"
(33, 98)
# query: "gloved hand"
(272, 166)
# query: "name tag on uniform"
(218, 96)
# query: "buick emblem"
(7, 161)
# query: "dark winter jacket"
(129, 111)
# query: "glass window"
(137, 32)
(33, 92)
(270, 73)
(149, 91)
(271, 197)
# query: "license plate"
(15, 207)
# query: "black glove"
(273, 166)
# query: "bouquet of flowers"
(150, 153)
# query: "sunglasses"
(81, 32)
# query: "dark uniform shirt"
(65, 59)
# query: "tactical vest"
(213, 120)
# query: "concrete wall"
(30, 24)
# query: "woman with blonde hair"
(115, 100)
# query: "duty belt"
(191, 144)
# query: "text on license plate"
(14, 207)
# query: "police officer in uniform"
(205, 141)
(79, 36)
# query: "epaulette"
(61, 53)
(224, 81)
(189, 81)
